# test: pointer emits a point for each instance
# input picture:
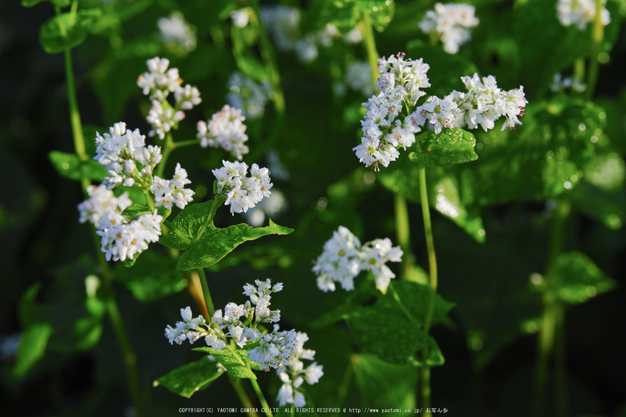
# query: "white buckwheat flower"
(187, 97)
(580, 12)
(122, 239)
(162, 118)
(100, 201)
(450, 23)
(294, 374)
(172, 192)
(242, 192)
(225, 130)
(374, 257)
(158, 82)
(177, 33)
(248, 95)
(339, 261)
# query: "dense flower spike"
(100, 201)
(240, 323)
(243, 192)
(247, 95)
(176, 32)
(580, 13)
(162, 119)
(225, 130)
(343, 258)
(451, 24)
(295, 374)
(123, 239)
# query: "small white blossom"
(374, 257)
(248, 95)
(123, 239)
(159, 81)
(177, 33)
(242, 192)
(187, 97)
(226, 130)
(172, 192)
(580, 13)
(240, 18)
(339, 261)
(100, 201)
(162, 118)
(450, 23)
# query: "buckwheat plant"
(580, 12)
(450, 23)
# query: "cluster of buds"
(393, 117)
(240, 324)
(225, 130)
(123, 238)
(450, 24)
(343, 258)
(158, 82)
(242, 192)
(294, 374)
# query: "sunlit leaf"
(578, 278)
(62, 32)
(450, 147)
(190, 378)
(71, 166)
(236, 361)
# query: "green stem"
(597, 35)
(259, 394)
(77, 130)
(186, 143)
(345, 385)
(167, 149)
(243, 395)
(562, 406)
(370, 44)
(403, 234)
(550, 314)
(269, 60)
(207, 295)
(432, 270)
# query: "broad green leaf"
(236, 362)
(544, 158)
(340, 13)
(607, 207)
(217, 243)
(87, 331)
(449, 192)
(153, 276)
(578, 278)
(415, 298)
(187, 225)
(61, 32)
(135, 210)
(33, 342)
(385, 385)
(190, 378)
(71, 166)
(450, 147)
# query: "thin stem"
(370, 44)
(207, 295)
(345, 385)
(550, 314)
(77, 130)
(186, 143)
(562, 406)
(269, 60)
(597, 35)
(403, 234)
(259, 394)
(243, 395)
(167, 149)
(432, 266)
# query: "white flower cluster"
(248, 95)
(239, 322)
(123, 238)
(126, 156)
(400, 83)
(100, 201)
(392, 119)
(243, 192)
(172, 192)
(450, 23)
(580, 12)
(282, 23)
(295, 374)
(343, 258)
(158, 82)
(559, 84)
(359, 77)
(176, 32)
(225, 130)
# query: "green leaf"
(609, 207)
(187, 225)
(61, 32)
(135, 210)
(415, 297)
(340, 13)
(247, 62)
(449, 192)
(71, 166)
(190, 378)
(450, 147)
(59, 3)
(380, 11)
(153, 276)
(578, 279)
(385, 385)
(236, 362)
(33, 342)
(31, 312)
(215, 244)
